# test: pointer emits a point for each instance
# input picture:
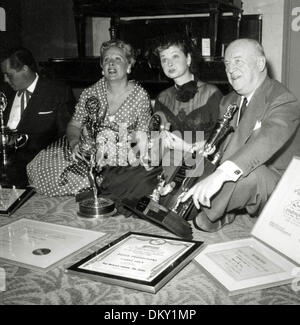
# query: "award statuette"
(3, 138)
(95, 206)
(10, 141)
(90, 205)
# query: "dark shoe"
(202, 222)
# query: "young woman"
(190, 104)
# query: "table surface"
(191, 286)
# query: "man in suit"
(256, 154)
(39, 108)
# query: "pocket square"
(43, 113)
(257, 125)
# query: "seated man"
(38, 108)
(256, 155)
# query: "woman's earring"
(102, 72)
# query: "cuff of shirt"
(231, 170)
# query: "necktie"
(25, 96)
(242, 109)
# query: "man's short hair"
(18, 57)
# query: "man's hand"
(203, 191)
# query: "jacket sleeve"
(65, 110)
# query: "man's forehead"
(5, 65)
(234, 56)
(241, 50)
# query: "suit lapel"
(253, 114)
(33, 104)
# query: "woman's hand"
(75, 152)
(73, 135)
(172, 141)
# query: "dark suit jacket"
(44, 120)
(268, 133)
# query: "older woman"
(107, 114)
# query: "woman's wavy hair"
(181, 42)
(173, 40)
(125, 47)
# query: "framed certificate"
(11, 198)
(139, 261)
(41, 246)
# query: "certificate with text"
(279, 223)
(41, 245)
(138, 260)
(245, 265)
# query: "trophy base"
(101, 208)
(152, 211)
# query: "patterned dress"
(53, 172)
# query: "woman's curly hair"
(125, 47)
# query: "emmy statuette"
(90, 205)
(95, 206)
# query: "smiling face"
(175, 63)
(245, 67)
(115, 64)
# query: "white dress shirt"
(15, 113)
